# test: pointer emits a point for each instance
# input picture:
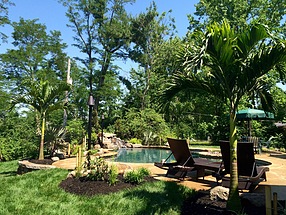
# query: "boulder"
(136, 145)
(55, 158)
(219, 193)
(25, 166)
(59, 154)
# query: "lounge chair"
(185, 162)
(256, 143)
(249, 174)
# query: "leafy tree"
(36, 55)
(45, 98)
(240, 13)
(149, 31)
(4, 16)
(75, 131)
(280, 103)
(18, 137)
(144, 124)
(102, 33)
(228, 63)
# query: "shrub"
(135, 141)
(98, 169)
(112, 176)
(136, 176)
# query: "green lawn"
(38, 193)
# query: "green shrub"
(135, 141)
(144, 171)
(112, 176)
(136, 176)
(98, 170)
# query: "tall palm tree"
(228, 63)
(44, 98)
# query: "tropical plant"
(228, 63)
(54, 138)
(44, 98)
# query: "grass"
(203, 145)
(38, 193)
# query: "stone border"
(26, 166)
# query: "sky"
(52, 14)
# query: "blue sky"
(52, 14)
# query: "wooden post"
(268, 200)
(79, 158)
(69, 150)
(275, 211)
(76, 167)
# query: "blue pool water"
(142, 155)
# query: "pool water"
(142, 155)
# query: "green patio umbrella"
(253, 114)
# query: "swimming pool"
(142, 155)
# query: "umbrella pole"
(249, 128)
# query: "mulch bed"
(81, 186)
(200, 204)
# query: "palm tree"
(228, 63)
(44, 98)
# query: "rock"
(96, 146)
(55, 158)
(71, 174)
(60, 155)
(25, 166)
(128, 145)
(219, 192)
(136, 145)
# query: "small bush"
(112, 176)
(136, 176)
(135, 141)
(98, 170)
(144, 171)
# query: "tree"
(37, 54)
(149, 31)
(228, 63)
(240, 13)
(45, 98)
(102, 33)
(4, 16)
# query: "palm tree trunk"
(233, 202)
(41, 149)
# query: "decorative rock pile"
(110, 141)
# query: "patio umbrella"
(253, 114)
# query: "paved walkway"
(276, 177)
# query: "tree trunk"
(233, 202)
(104, 69)
(41, 149)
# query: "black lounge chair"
(249, 174)
(185, 162)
